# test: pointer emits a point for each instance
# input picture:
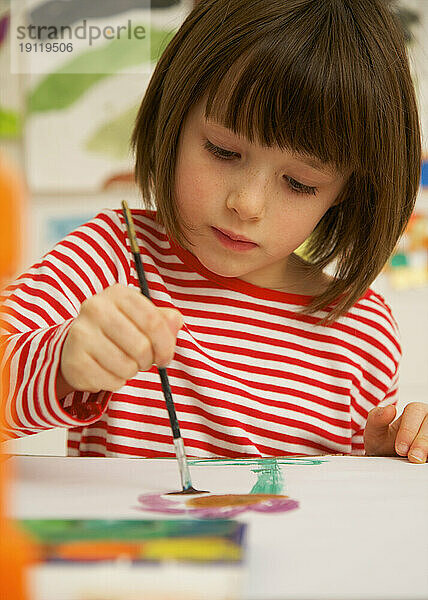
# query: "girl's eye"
(295, 186)
(219, 152)
(300, 188)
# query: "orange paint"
(230, 500)
(15, 549)
(98, 550)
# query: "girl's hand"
(117, 333)
(407, 436)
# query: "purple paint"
(158, 503)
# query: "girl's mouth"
(227, 242)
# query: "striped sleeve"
(37, 311)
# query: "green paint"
(61, 89)
(269, 478)
(112, 138)
(64, 530)
(239, 462)
(10, 123)
(269, 475)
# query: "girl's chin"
(222, 270)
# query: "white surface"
(48, 443)
(361, 530)
(123, 582)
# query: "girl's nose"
(249, 198)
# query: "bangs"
(298, 96)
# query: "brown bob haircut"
(324, 78)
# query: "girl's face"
(270, 196)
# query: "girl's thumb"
(378, 421)
(174, 319)
(384, 415)
(378, 435)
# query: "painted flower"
(220, 506)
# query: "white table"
(360, 532)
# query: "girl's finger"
(411, 420)
(112, 359)
(116, 326)
(150, 320)
(419, 448)
(95, 378)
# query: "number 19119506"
(46, 47)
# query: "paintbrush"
(186, 481)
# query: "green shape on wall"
(58, 91)
(61, 89)
(10, 123)
(113, 138)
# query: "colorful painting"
(216, 506)
(266, 495)
(97, 540)
(81, 105)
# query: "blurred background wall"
(67, 129)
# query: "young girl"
(266, 124)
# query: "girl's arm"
(36, 314)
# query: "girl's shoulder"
(374, 299)
(373, 319)
(150, 233)
(145, 220)
(143, 215)
(374, 303)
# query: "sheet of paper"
(360, 529)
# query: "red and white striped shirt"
(251, 375)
